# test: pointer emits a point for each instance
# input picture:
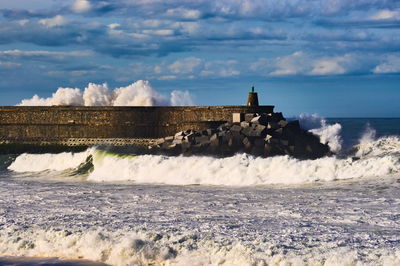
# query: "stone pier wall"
(78, 125)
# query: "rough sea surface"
(241, 210)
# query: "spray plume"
(140, 93)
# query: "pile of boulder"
(257, 134)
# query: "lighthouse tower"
(252, 99)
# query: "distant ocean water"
(240, 210)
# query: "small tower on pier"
(252, 99)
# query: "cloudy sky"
(331, 57)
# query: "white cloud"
(21, 54)
(300, 63)
(186, 65)
(386, 14)
(190, 28)
(220, 68)
(113, 26)
(391, 65)
(160, 32)
(290, 65)
(184, 13)
(329, 66)
(167, 77)
(113, 29)
(23, 22)
(53, 22)
(260, 64)
(9, 64)
(81, 6)
(157, 69)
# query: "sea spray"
(139, 93)
(53, 162)
(96, 95)
(237, 170)
(379, 147)
(329, 134)
(368, 135)
(181, 98)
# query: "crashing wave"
(140, 93)
(378, 158)
(329, 134)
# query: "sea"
(101, 207)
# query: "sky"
(336, 58)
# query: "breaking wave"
(370, 158)
(140, 93)
(328, 134)
(144, 248)
(376, 158)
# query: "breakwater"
(85, 126)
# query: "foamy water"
(199, 210)
(376, 158)
(128, 224)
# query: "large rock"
(261, 120)
(249, 116)
(261, 135)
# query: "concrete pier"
(118, 126)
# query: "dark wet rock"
(248, 117)
(244, 124)
(257, 134)
(282, 123)
(272, 125)
(235, 128)
(261, 120)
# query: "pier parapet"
(63, 125)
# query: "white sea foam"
(63, 96)
(339, 223)
(329, 134)
(237, 170)
(378, 148)
(143, 248)
(42, 162)
(96, 95)
(368, 135)
(139, 93)
(369, 146)
(181, 98)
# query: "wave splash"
(146, 248)
(368, 159)
(376, 159)
(140, 93)
(328, 134)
